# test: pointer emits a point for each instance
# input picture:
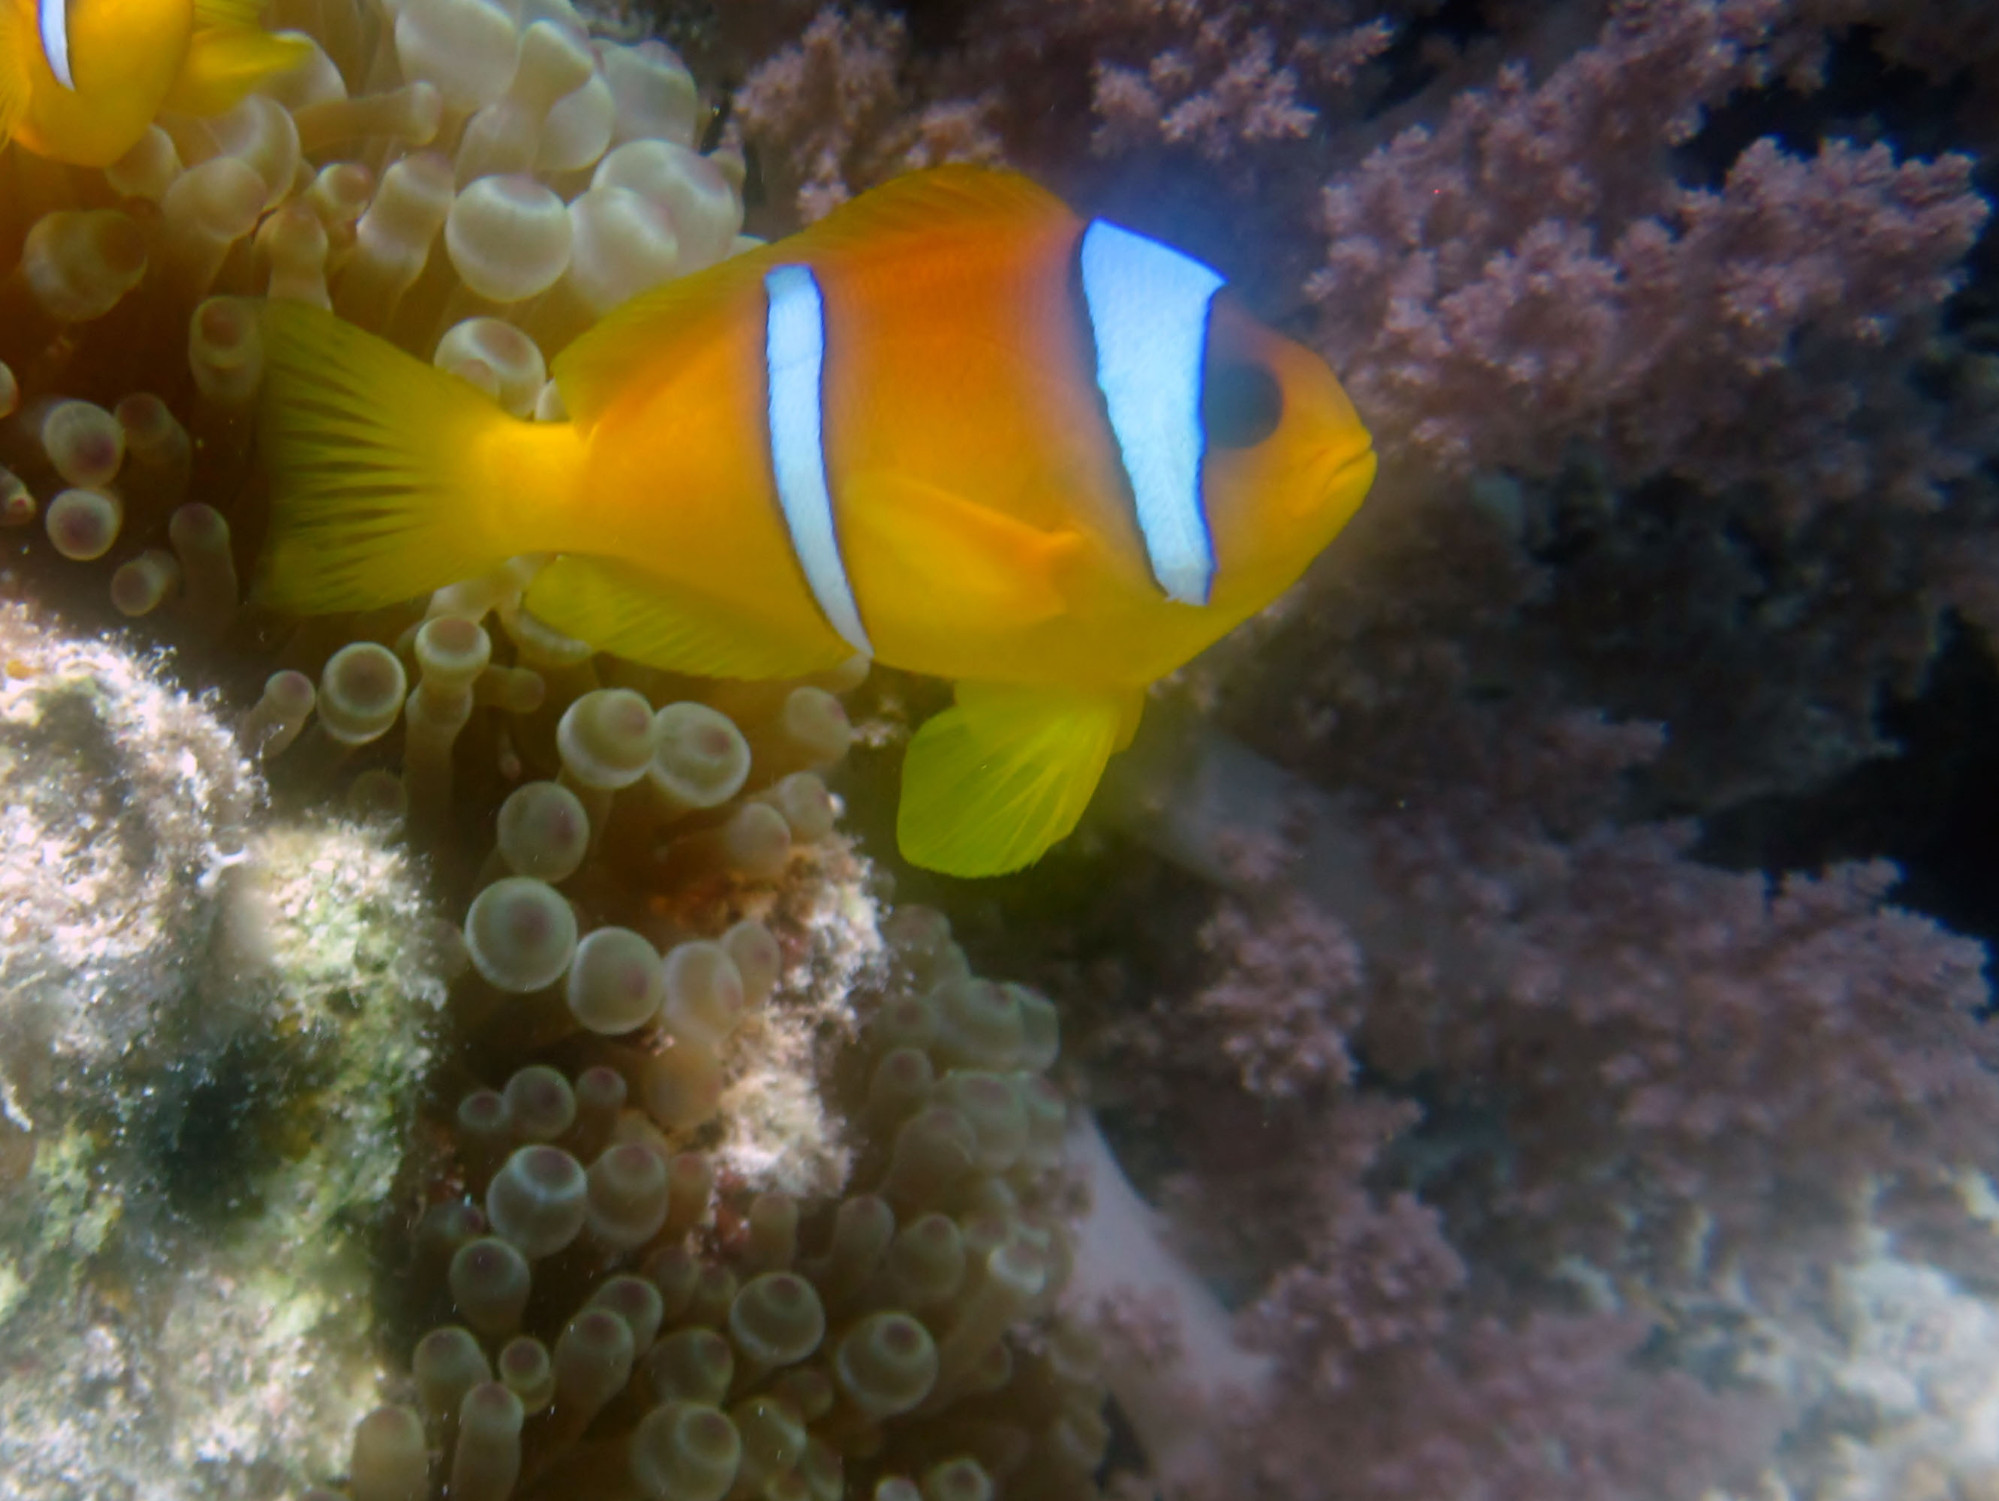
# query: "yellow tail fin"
(389, 477)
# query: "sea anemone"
(725, 1181)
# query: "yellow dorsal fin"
(990, 784)
(620, 609)
(223, 64)
(649, 330)
(652, 330)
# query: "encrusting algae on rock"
(670, 1162)
(212, 1033)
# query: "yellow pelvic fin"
(989, 785)
(651, 330)
(389, 477)
(225, 62)
(619, 608)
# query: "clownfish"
(80, 80)
(951, 426)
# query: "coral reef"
(1781, 1081)
(1673, 322)
(1463, 1134)
(213, 1029)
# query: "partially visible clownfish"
(950, 426)
(80, 80)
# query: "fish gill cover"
(437, 1058)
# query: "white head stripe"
(54, 18)
(1148, 307)
(795, 365)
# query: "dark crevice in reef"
(1410, 64)
(1972, 312)
(936, 25)
(1934, 809)
(220, 1119)
(1863, 98)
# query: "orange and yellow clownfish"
(80, 80)
(950, 426)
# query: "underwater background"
(1515, 1024)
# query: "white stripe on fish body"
(795, 368)
(1148, 310)
(53, 17)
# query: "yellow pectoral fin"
(958, 566)
(237, 15)
(618, 608)
(989, 785)
(225, 62)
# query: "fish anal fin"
(621, 609)
(651, 330)
(224, 63)
(991, 783)
(959, 565)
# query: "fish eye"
(1241, 404)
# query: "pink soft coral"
(1519, 278)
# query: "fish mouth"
(1343, 466)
